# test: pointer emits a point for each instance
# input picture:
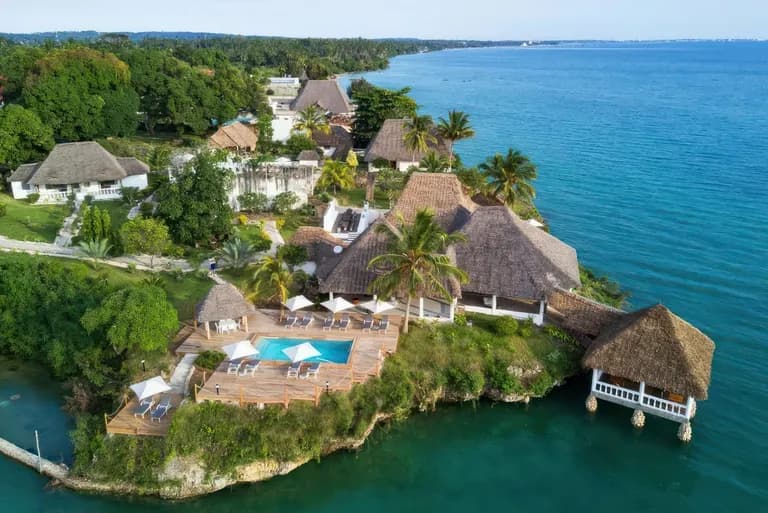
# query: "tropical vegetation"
(311, 121)
(336, 174)
(419, 134)
(454, 128)
(509, 177)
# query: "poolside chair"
(328, 323)
(161, 410)
(367, 323)
(311, 371)
(234, 367)
(290, 321)
(383, 325)
(250, 368)
(143, 408)
(343, 323)
(305, 321)
(293, 370)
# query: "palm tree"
(337, 174)
(453, 129)
(509, 177)
(415, 264)
(311, 120)
(418, 134)
(433, 163)
(236, 253)
(95, 249)
(271, 281)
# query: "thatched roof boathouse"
(654, 362)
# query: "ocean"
(653, 164)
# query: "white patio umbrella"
(337, 304)
(297, 303)
(301, 352)
(150, 387)
(376, 306)
(238, 350)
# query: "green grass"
(118, 212)
(35, 223)
(356, 198)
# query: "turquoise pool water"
(333, 351)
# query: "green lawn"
(356, 198)
(37, 223)
(118, 211)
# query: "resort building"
(347, 223)
(287, 102)
(225, 308)
(326, 94)
(308, 158)
(336, 144)
(81, 168)
(654, 362)
(236, 137)
(389, 145)
(323, 250)
(512, 266)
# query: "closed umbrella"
(337, 304)
(150, 387)
(297, 303)
(376, 306)
(238, 350)
(301, 352)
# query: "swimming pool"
(333, 351)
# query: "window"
(108, 185)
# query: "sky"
(444, 19)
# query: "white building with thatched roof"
(512, 266)
(81, 168)
(654, 362)
(389, 145)
(223, 305)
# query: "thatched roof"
(223, 301)
(308, 155)
(236, 136)
(506, 256)
(338, 138)
(319, 245)
(82, 162)
(24, 172)
(655, 346)
(389, 144)
(327, 94)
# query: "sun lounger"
(293, 370)
(305, 321)
(234, 367)
(289, 321)
(161, 410)
(250, 367)
(383, 325)
(311, 371)
(328, 323)
(343, 323)
(367, 323)
(143, 408)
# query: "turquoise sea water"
(653, 165)
(334, 351)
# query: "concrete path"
(182, 373)
(274, 234)
(68, 230)
(44, 248)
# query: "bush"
(146, 209)
(460, 319)
(324, 197)
(465, 381)
(242, 219)
(500, 379)
(209, 360)
(3, 209)
(253, 202)
(131, 268)
(293, 255)
(526, 328)
(88, 199)
(284, 202)
(130, 195)
(33, 197)
(506, 326)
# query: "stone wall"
(273, 180)
(584, 316)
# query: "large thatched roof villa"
(326, 94)
(80, 168)
(389, 145)
(512, 265)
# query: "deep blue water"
(334, 351)
(652, 161)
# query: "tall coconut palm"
(453, 129)
(272, 281)
(312, 120)
(433, 163)
(236, 253)
(95, 249)
(415, 264)
(337, 174)
(418, 134)
(509, 177)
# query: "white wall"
(139, 181)
(18, 191)
(404, 166)
(282, 124)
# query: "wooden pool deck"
(269, 383)
(126, 423)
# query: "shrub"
(293, 255)
(526, 328)
(146, 209)
(88, 199)
(542, 384)
(3, 209)
(33, 197)
(253, 202)
(460, 319)
(500, 379)
(131, 268)
(324, 197)
(130, 195)
(465, 381)
(210, 360)
(506, 326)
(242, 219)
(284, 201)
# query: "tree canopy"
(23, 137)
(145, 236)
(374, 106)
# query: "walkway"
(68, 230)
(270, 227)
(182, 373)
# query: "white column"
(493, 304)
(375, 297)
(688, 407)
(595, 377)
(452, 311)
(541, 313)
(421, 308)
(642, 392)
(330, 296)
